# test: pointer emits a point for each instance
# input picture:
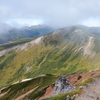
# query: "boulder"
(62, 86)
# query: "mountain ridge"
(24, 32)
(65, 51)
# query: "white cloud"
(24, 22)
(58, 13)
(92, 22)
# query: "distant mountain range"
(10, 33)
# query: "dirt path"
(91, 92)
(48, 93)
(23, 95)
(2, 94)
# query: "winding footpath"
(27, 93)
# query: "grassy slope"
(56, 56)
(42, 82)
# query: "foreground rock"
(62, 86)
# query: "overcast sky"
(59, 13)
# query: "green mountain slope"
(31, 89)
(65, 51)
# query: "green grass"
(97, 45)
(48, 58)
(63, 96)
(7, 60)
(85, 82)
(16, 90)
(54, 62)
(47, 81)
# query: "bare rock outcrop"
(62, 86)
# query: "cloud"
(59, 13)
(92, 22)
(4, 28)
(24, 22)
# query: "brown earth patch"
(49, 92)
(74, 79)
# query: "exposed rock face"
(62, 86)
